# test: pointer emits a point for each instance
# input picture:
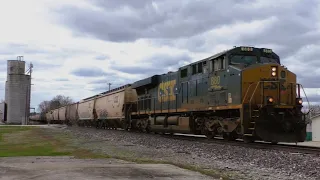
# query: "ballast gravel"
(235, 161)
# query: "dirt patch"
(69, 168)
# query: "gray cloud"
(62, 79)
(19, 48)
(89, 72)
(155, 64)
(127, 21)
(156, 19)
(101, 84)
(102, 57)
(314, 99)
(3, 67)
(38, 65)
(291, 27)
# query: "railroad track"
(258, 145)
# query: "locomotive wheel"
(209, 134)
(148, 129)
(247, 139)
(230, 136)
(274, 142)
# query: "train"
(241, 93)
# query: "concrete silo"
(18, 88)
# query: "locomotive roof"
(208, 58)
(222, 53)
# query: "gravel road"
(239, 162)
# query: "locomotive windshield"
(269, 60)
(243, 59)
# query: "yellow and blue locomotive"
(243, 92)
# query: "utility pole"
(109, 85)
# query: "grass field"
(34, 141)
(37, 141)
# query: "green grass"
(33, 141)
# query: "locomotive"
(243, 92)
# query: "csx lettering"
(166, 91)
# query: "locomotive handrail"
(258, 83)
(306, 98)
(255, 89)
(247, 92)
(254, 94)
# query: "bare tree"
(61, 100)
(314, 110)
(44, 106)
(56, 102)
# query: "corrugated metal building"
(315, 126)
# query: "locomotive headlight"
(299, 101)
(273, 71)
(270, 99)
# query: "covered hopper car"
(243, 92)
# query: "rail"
(279, 93)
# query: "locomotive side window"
(194, 69)
(184, 73)
(197, 68)
(223, 63)
(200, 67)
(205, 67)
(217, 64)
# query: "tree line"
(56, 102)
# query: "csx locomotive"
(243, 93)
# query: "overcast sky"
(78, 46)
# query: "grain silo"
(17, 92)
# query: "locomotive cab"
(270, 97)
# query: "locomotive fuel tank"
(170, 124)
